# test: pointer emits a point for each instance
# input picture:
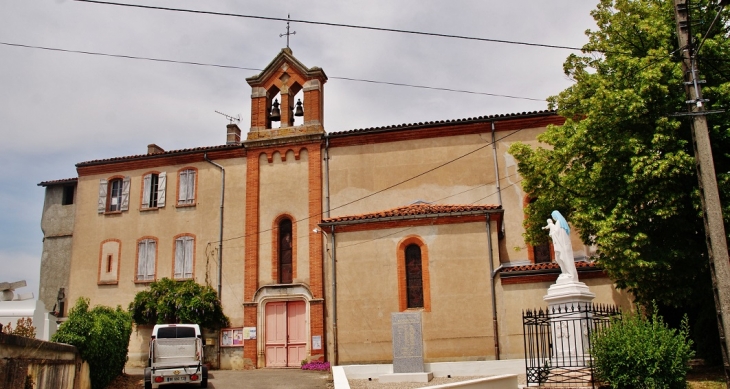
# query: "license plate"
(175, 379)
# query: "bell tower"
(283, 79)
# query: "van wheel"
(147, 378)
(204, 380)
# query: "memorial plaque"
(407, 342)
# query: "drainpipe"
(334, 296)
(496, 165)
(493, 273)
(327, 174)
(220, 238)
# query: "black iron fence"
(558, 343)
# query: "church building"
(313, 237)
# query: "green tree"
(621, 168)
(102, 337)
(169, 301)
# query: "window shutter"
(146, 191)
(188, 258)
(161, 184)
(103, 185)
(191, 186)
(151, 253)
(183, 190)
(125, 194)
(179, 257)
(142, 260)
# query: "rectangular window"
(146, 254)
(68, 195)
(115, 195)
(153, 190)
(184, 257)
(186, 190)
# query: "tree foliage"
(23, 327)
(621, 168)
(102, 337)
(169, 301)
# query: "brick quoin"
(250, 352)
(316, 271)
(251, 259)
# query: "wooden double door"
(286, 333)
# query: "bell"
(299, 111)
(275, 115)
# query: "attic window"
(68, 195)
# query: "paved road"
(261, 379)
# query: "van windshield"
(175, 332)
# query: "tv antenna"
(237, 119)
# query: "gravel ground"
(374, 384)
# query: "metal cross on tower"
(287, 32)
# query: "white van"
(176, 356)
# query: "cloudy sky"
(60, 108)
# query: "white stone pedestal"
(570, 309)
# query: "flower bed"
(316, 365)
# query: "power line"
(382, 29)
(386, 188)
(258, 70)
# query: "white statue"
(560, 234)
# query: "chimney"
(154, 149)
(233, 134)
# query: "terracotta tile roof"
(415, 210)
(59, 182)
(170, 152)
(445, 122)
(548, 266)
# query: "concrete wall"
(57, 223)
(283, 191)
(458, 325)
(360, 170)
(44, 364)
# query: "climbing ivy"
(169, 301)
(102, 337)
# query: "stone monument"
(568, 297)
(407, 349)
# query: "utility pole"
(711, 209)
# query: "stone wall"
(42, 364)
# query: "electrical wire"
(386, 188)
(382, 29)
(258, 70)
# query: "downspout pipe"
(220, 236)
(327, 175)
(493, 273)
(334, 296)
(496, 165)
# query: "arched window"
(414, 276)
(414, 281)
(285, 252)
(541, 252)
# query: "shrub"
(641, 352)
(168, 301)
(102, 338)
